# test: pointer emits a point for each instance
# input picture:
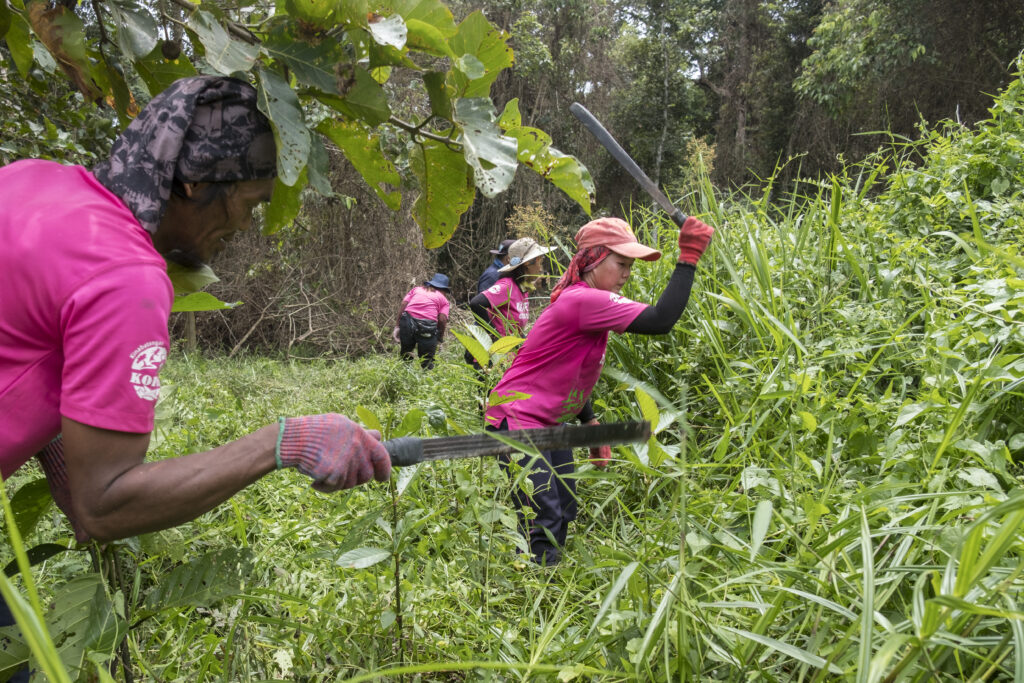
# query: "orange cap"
(615, 234)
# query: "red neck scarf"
(584, 261)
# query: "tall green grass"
(832, 493)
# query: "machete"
(409, 450)
(613, 147)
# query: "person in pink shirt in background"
(504, 305)
(551, 379)
(422, 320)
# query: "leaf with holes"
(312, 64)
(280, 104)
(446, 191)
(491, 155)
(564, 171)
(223, 54)
(478, 37)
(84, 619)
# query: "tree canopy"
(400, 87)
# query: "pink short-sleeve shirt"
(561, 360)
(84, 303)
(510, 310)
(426, 304)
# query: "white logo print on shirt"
(145, 376)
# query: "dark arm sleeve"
(586, 413)
(661, 317)
(479, 305)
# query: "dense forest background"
(751, 92)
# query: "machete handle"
(404, 451)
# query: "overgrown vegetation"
(832, 492)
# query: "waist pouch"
(424, 329)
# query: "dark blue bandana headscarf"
(200, 129)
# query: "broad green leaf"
(202, 582)
(29, 503)
(446, 191)
(312, 64)
(5, 18)
(362, 149)
(361, 558)
(37, 554)
(491, 155)
(411, 423)
(471, 67)
(352, 12)
(280, 104)
(83, 618)
(136, 28)
(20, 43)
(909, 412)
(316, 12)
(427, 38)
(648, 406)
(223, 54)
(284, 205)
(200, 301)
(390, 31)
(318, 167)
(809, 422)
(187, 280)
(979, 477)
(478, 37)
(759, 527)
(505, 344)
(437, 92)
(368, 419)
(564, 171)
(475, 348)
(367, 100)
(158, 73)
(430, 12)
(14, 651)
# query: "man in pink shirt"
(84, 304)
(550, 380)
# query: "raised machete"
(409, 450)
(615, 149)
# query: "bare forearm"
(149, 496)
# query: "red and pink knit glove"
(333, 450)
(694, 238)
(52, 460)
(600, 456)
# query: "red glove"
(333, 450)
(694, 238)
(600, 456)
(52, 460)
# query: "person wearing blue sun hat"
(422, 320)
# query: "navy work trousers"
(553, 500)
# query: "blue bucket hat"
(439, 281)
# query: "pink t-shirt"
(84, 303)
(426, 304)
(561, 359)
(510, 310)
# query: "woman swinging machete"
(551, 378)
